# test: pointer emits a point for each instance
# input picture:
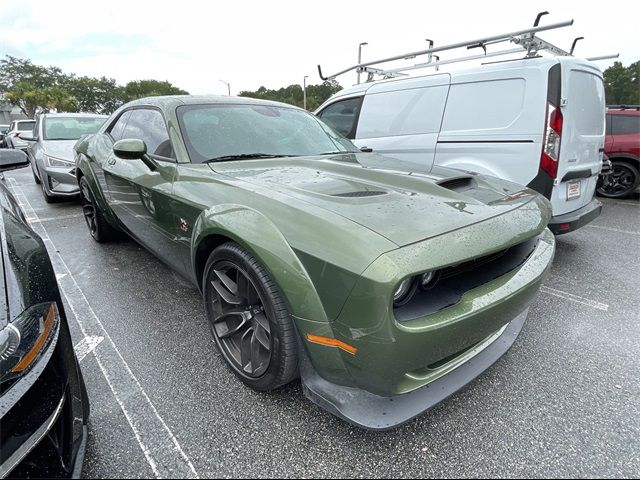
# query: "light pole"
(228, 86)
(304, 91)
(360, 57)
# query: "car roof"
(172, 101)
(50, 115)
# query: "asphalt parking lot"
(563, 402)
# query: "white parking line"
(574, 298)
(159, 446)
(86, 346)
(611, 229)
(53, 219)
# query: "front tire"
(35, 177)
(621, 182)
(98, 226)
(249, 319)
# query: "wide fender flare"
(257, 234)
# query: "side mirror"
(11, 159)
(28, 137)
(134, 149)
(130, 148)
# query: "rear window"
(625, 124)
(25, 126)
(586, 102)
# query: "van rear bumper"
(578, 218)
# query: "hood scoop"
(358, 194)
(458, 184)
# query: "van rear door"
(583, 131)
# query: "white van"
(539, 122)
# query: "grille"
(453, 282)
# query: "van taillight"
(552, 138)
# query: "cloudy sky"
(194, 44)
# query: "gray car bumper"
(59, 181)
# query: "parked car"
(4, 129)
(622, 146)
(43, 400)
(538, 122)
(386, 291)
(51, 150)
(17, 128)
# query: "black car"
(43, 400)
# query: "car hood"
(62, 149)
(404, 207)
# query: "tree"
(150, 88)
(293, 94)
(31, 87)
(622, 84)
(97, 95)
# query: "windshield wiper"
(343, 152)
(244, 156)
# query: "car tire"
(621, 182)
(47, 198)
(35, 177)
(251, 325)
(99, 228)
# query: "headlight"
(404, 292)
(406, 289)
(25, 339)
(56, 162)
(429, 279)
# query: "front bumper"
(573, 220)
(397, 360)
(43, 417)
(375, 412)
(59, 181)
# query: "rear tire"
(622, 181)
(249, 319)
(99, 228)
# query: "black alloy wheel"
(622, 181)
(99, 229)
(249, 320)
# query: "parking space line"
(574, 298)
(53, 219)
(611, 229)
(86, 346)
(158, 444)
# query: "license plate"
(573, 190)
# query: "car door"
(141, 197)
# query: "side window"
(148, 125)
(342, 116)
(116, 129)
(625, 124)
(608, 130)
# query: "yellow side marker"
(331, 342)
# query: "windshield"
(70, 128)
(25, 126)
(219, 131)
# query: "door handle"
(112, 161)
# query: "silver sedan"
(51, 150)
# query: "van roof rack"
(526, 39)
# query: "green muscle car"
(385, 291)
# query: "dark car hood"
(405, 207)
(62, 149)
